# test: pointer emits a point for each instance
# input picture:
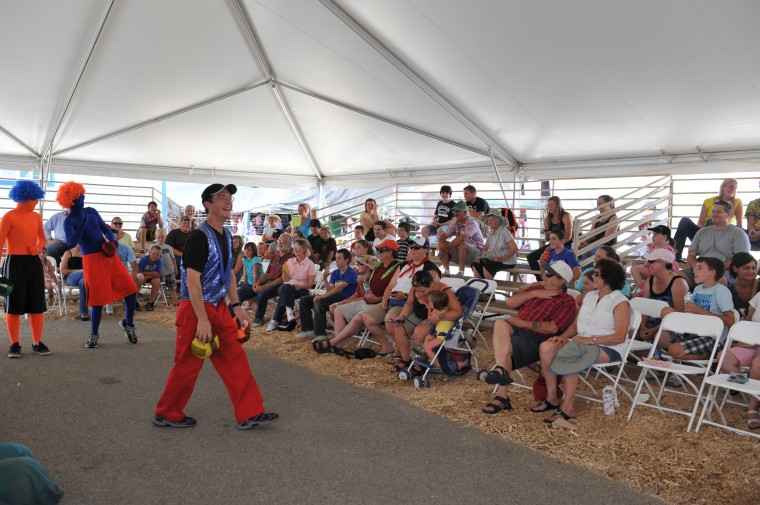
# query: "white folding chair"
(602, 369)
(649, 308)
(453, 282)
(748, 333)
(677, 322)
(486, 287)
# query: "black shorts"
(28, 296)
(525, 346)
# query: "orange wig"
(68, 192)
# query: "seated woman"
(660, 240)
(606, 206)
(370, 216)
(557, 218)
(741, 355)
(664, 285)
(305, 214)
(367, 312)
(604, 252)
(687, 228)
(298, 278)
(744, 282)
(73, 275)
(500, 251)
(274, 222)
(601, 326)
(415, 319)
(558, 252)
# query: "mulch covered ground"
(652, 453)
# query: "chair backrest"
(468, 297)
(453, 282)
(698, 324)
(573, 292)
(633, 326)
(648, 307)
(485, 286)
(746, 332)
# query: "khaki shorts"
(471, 251)
(351, 310)
(412, 321)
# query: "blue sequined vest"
(215, 278)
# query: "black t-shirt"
(480, 205)
(312, 239)
(445, 211)
(196, 250)
(323, 248)
(177, 239)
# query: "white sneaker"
(256, 323)
(291, 315)
(446, 273)
(272, 326)
(305, 334)
(109, 309)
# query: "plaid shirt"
(471, 228)
(559, 309)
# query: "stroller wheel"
(403, 375)
(481, 375)
(425, 382)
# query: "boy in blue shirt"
(149, 268)
(709, 298)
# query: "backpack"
(511, 220)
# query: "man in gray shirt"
(721, 240)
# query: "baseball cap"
(661, 229)
(445, 189)
(460, 205)
(660, 254)
(420, 241)
(186, 218)
(388, 243)
(217, 188)
(561, 269)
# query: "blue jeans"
(77, 279)
(261, 300)
(288, 294)
(318, 322)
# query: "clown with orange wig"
(105, 277)
(21, 228)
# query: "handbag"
(108, 248)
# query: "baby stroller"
(456, 352)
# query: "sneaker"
(257, 323)
(291, 315)
(109, 309)
(41, 349)
(150, 306)
(458, 275)
(137, 307)
(185, 422)
(446, 273)
(15, 351)
(304, 335)
(129, 331)
(272, 326)
(260, 420)
(92, 342)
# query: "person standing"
(203, 313)
(22, 228)
(56, 236)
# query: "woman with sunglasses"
(665, 285)
(602, 322)
(121, 236)
(415, 320)
(687, 228)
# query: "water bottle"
(687, 298)
(608, 399)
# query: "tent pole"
(410, 74)
(501, 184)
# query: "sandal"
(556, 415)
(499, 375)
(394, 359)
(497, 405)
(753, 423)
(400, 365)
(543, 406)
(325, 347)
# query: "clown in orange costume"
(105, 277)
(22, 229)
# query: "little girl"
(252, 266)
(660, 240)
(50, 276)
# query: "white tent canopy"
(296, 92)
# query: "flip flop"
(558, 414)
(543, 406)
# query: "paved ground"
(86, 414)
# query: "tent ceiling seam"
(19, 142)
(410, 74)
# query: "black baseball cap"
(214, 189)
(661, 229)
(446, 189)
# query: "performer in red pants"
(22, 228)
(206, 279)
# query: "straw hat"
(367, 261)
(502, 220)
(277, 219)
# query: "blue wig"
(24, 191)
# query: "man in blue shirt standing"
(56, 236)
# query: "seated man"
(176, 239)
(341, 285)
(544, 310)
(149, 271)
(267, 285)
(720, 240)
(148, 224)
(709, 298)
(467, 244)
(380, 229)
(169, 268)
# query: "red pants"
(230, 362)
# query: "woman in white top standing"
(601, 327)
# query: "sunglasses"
(420, 286)
(551, 275)
(651, 261)
(383, 249)
(415, 247)
(117, 223)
